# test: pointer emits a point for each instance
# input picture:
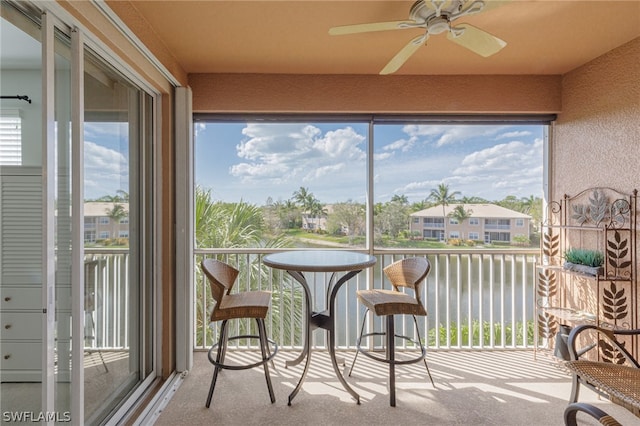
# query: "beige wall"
(596, 140)
(247, 93)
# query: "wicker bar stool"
(250, 304)
(410, 273)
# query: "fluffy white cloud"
(510, 168)
(295, 152)
(199, 128)
(516, 134)
(442, 135)
(106, 171)
(514, 157)
(403, 145)
(504, 169)
(94, 130)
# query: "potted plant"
(583, 260)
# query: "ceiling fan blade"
(476, 40)
(487, 5)
(405, 53)
(366, 28)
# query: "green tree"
(393, 218)
(317, 211)
(226, 225)
(236, 225)
(533, 207)
(120, 197)
(116, 213)
(473, 200)
(442, 197)
(420, 205)
(460, 214)
(303, 198)
(290, 214)
(511, 202)
(402, 199)
(350, 215)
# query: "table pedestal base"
(325, 321)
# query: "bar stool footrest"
(369, 353)
(213, 361)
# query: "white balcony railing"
(496, 226)
(107, 298)
(475, 299)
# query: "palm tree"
(473, 200)
(442, 196)
(116, 214)
(317, 211)
(234, 225)
(304, 199)
(533, 207)
(528, 203)
(402, 199)
(417, 206)
(122, 195)
(460, 214)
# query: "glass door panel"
(114, 248)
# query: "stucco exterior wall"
(596, 143)
(596, 139)
(259, 93)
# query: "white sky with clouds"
(256, 161)
(106, 153)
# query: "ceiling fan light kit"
(435, 17)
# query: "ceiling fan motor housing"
(428, 13)
(438, 25)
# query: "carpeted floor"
(472, 388)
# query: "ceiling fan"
(436, 17)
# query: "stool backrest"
(409, 272)
(221, 279)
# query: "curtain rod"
(24, 98)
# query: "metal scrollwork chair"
(406, 273)
(249, 304)
(618, 381)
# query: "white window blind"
(10, 138)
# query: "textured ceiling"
(291, 37)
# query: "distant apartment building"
(487, 223)
(99, 223)
(314, 223)
(318, 223)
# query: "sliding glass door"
(116, 127)
(76, 225)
